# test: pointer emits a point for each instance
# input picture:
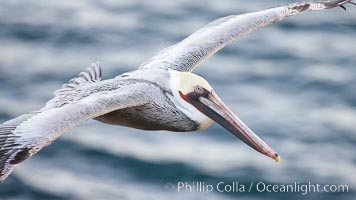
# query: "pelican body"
(159, 113)
(162, 94)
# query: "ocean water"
(293, 83)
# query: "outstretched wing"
(192, 51)
(82, 99)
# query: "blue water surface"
(293, 83)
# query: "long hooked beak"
(213, 107)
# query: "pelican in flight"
(162, 94)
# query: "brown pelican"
(162, 94)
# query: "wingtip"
(343, 7)
(353, 3)
(94, 64)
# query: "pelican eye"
(198, 89)
(201, 91)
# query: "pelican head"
(196, 98)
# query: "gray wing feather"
(91, 75)
(195, 49)
(11, 151)
(22, 137)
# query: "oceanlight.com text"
(262, 187)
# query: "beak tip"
(278, 158)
